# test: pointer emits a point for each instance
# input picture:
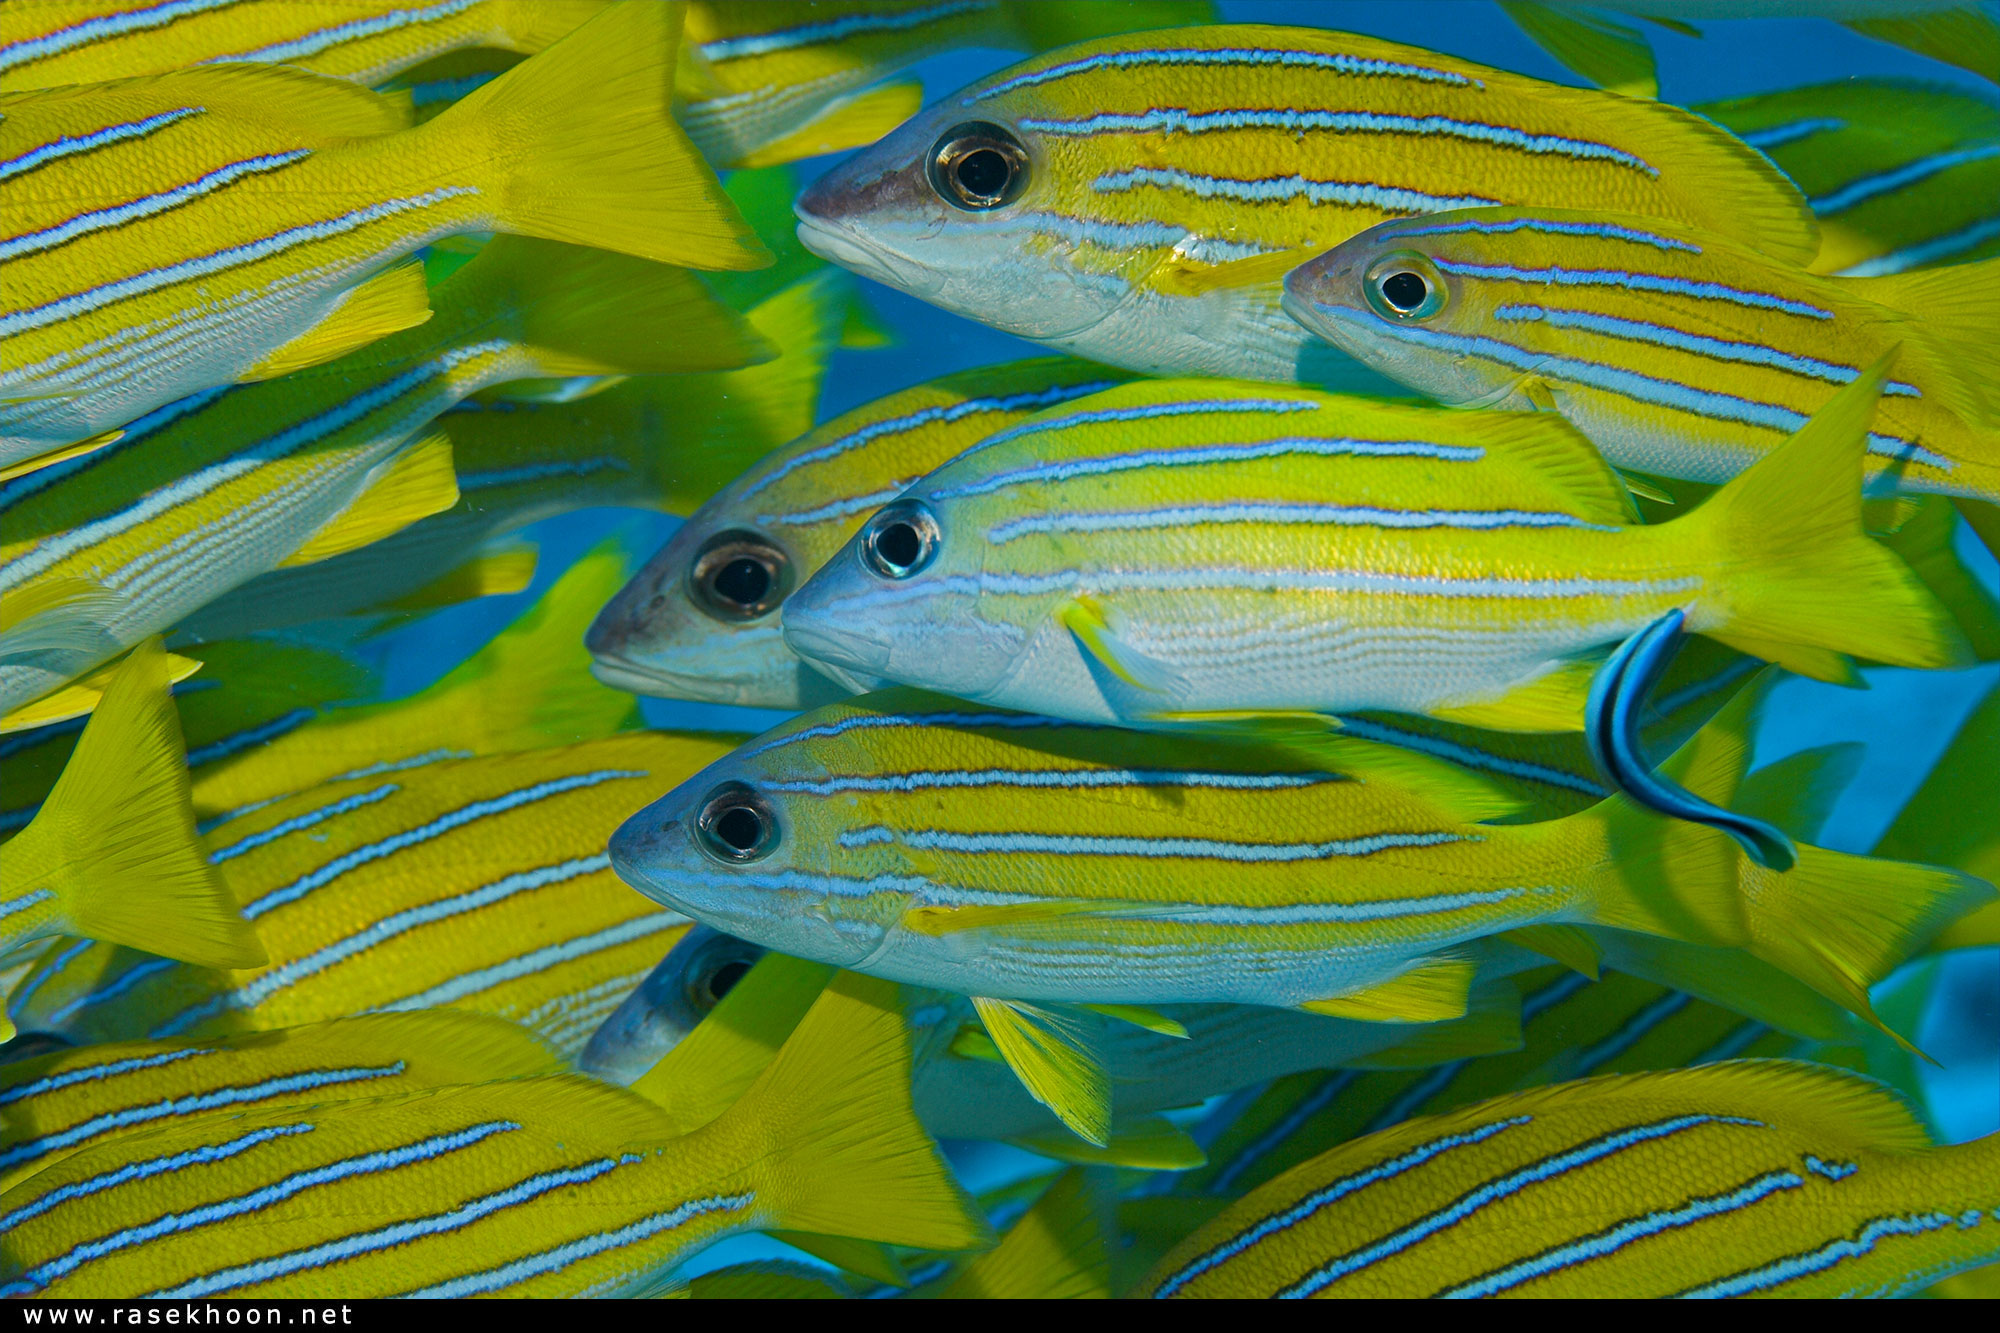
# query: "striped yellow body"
(478, 884)
(1677, 352)
(670, 633)
(208, 492)
(1148, 161)
(1900, 175)
(167, 235)
(53, 42)
(1245, 548)
(57, 1104)
(1736, 1179)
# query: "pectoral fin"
(62, 455)
(1148, 1019)
(1177, 276)
(851, 123)
(1430, 991)
(82, 696)
(1052, 1064)
(1085, 618)
(417, 483)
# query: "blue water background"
(1905, 718)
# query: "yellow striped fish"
(54, 42)
(1954, 819)
(700, 621)
(664, 442)
(112, 852)
(57, 1104)
(1174, 550)
(1677, 352)
(210, 491)
(1744, 1178)
(1022, 859)
(1900, 175)
(169, 235)
(534, 1187)
(1136, 199)
(526, 689)
(773, 82)
(477, 884)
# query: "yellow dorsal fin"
(1430, 991)
(62, 455)
(1553, 702)
(416, 483)
(391, 301)
(849, 123)
(1052, 1064)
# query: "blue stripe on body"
(1246, 57)
(1497, 1190)
(1630, 1032)
(1408, 1102)
(235, 256)
(31, 899)
(1174, 120)
(298, 823)
(1777, 136)
(264, 985)
(846, 507)
(755, 44)
(223, 1210)
(1793, 1267)
(398, 1233)
(1282, 1129)
(1536, 1003)
(1834, 1171)
(1548, 226)
(1283, 189)
(1043, 778)
(1061, 470)
(941, 415)
(145, 206)
(1369, 729)
(1667, 284)
(104, 28)
(1072, 521)
(562, 1256)
(20, 488)
(1331, 1192)
(105, 992)
(535, 960)
(1145, 412)
(914, 721)
(1078, 844)
(435, 828)
(298, 48)
(1886, 182)
(1717, 349)
(996, 583)
(1609, 1241)
(245, 739)
(287, 1085)
(71, 145)
(516, 476)
(1738, 1040)
(147, 1169)
(69, 1078)
(1925, 252)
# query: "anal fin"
(82, 696)
(1430, 991)
(1569, 945)
(1052, 1064)
(1551, 702)
(391, 301)
(61, 455)
(415, 484)
(1150, 1143)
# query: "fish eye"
(723, 980)
(1404, 287)
(900, 540)
(738, 575)
(736, 825)
(977, 166)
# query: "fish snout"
(844, 644)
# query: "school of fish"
(1289, 791)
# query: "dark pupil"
(1406, 291)
(899, 545)
(982, 173)
(740, 827)
(743, 581)
(725, 979)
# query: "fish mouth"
(852, 251)
(1302, 309)
(838, 648)
(622, 673)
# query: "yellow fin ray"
(1568, 945)
(1149, 1143)
(1059, 1250)
(1550, 702)
(62, 455)
(1051, 1064)
(1608, 54)
(1431, 990)
(416, 483)
(1149, 1019)
(391, 301)
(852, 122)
(501, 571)
(1491, 1026)
(83, 695)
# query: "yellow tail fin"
(583, 142)
(1795, 575)
(116, 837)
(1059, 1250)
(835, 1111)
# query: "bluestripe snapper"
(55, 42)
(477, 884)
(113, 851)
(169, 235)
(549, 1186)
(1737, 1179)
(1177, 551)
(701, 620)
(1677, 352)
(217, 488)
(56, 1104)
(1136, 199)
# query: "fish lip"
(622, 673)
(842, 245)
(1303, 309)
(838, 647)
